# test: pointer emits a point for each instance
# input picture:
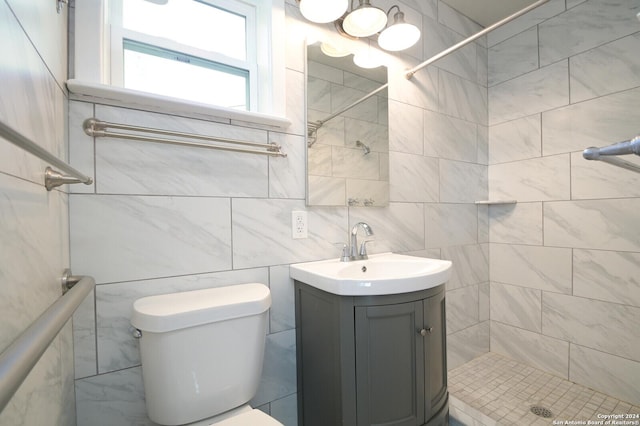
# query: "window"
(217, 52)
(195, 50)
(156, 70)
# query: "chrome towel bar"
(97, 128)
(17, 360)
(52, 178)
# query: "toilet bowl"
(202, 353)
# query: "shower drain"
(541, 411)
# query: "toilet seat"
(253, 417)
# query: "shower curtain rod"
(604, 154)
(312, 127)
(409, 73)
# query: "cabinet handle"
(425, 331)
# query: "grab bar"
(17, 360)
(96, 128)
(604, 154)
(52, 178)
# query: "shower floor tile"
(495, 390)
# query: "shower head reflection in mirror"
(364, 147)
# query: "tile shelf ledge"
(118, 96)
(493, 202)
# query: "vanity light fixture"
(362, 21)
(323, 11)
(365, 20)
(399, 35)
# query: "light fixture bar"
(409, 73)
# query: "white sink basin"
(386, 273)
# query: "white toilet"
(202, 354)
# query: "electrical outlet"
(298, 224)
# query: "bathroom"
(550, 280)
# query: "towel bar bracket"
(54, 179)
(68, 280)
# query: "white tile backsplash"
(611, 374)
(450, 137)
(414, 178)
(463, 308)
(536, 267)
(516, 306)
(123, 238)
(597, 179)
(514, 140)
(573, 32)
(607, 275)
(547, 353)
(537, 179)
(516, 223)
(590, 71)
(596, 122)
(462, 98)
(603, 224)
(531, 19)
(462, 182)
(406, 128)
(110, 399)
(603, 326)
(451, 224)
(470, 264)
(465, 345)
(539, 90)
(513, 57)
(262, 232)
(398, 227)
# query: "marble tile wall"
(34, 231)
(564, 260)
(213, 219)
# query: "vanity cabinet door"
(390, 364)
(436, 354)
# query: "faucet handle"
(363, 249)
(344, 257)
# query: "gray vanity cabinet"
(371, 360)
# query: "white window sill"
(110, 95)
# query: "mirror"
(347, 152)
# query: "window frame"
(92, 43)
(118, 35)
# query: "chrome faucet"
(354, 253)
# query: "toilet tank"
(201, 351)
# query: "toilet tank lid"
(167, 312)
